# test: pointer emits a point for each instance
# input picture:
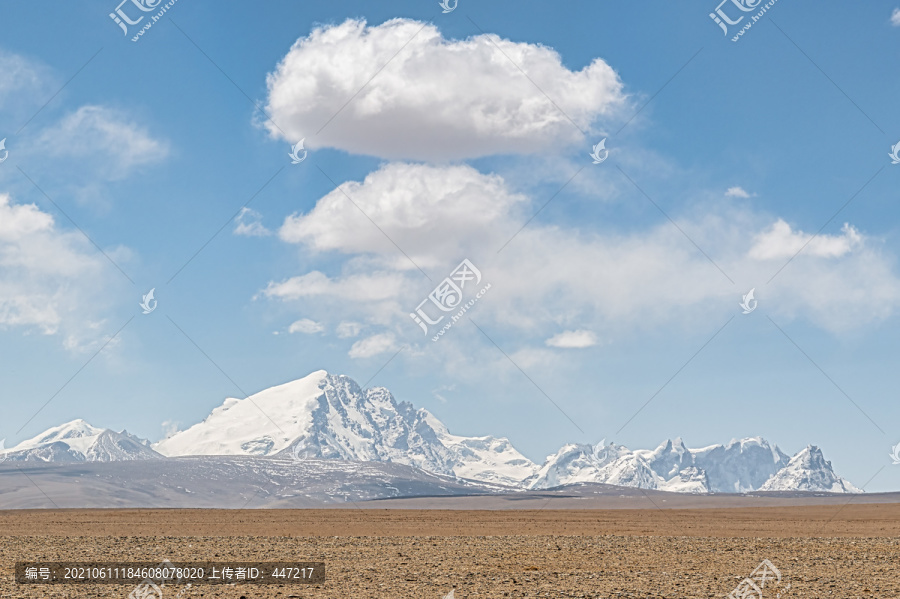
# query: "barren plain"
(838, 550)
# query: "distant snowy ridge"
(738, 467)
(78, 441)
(324, 416)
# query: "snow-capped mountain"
(738, 467)
(617, 465)
(329, 417)
(578, 463)
(324, 416)
(78, 441)
(488, 459)
(808, 471)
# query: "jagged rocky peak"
(809, 471)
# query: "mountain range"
(324, 417)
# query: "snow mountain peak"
(809, 471)
(325, 416)
(78, 441)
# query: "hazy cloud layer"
(51, 280)
(569, 285)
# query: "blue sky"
(725, 158)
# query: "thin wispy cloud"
(737, 192)
(98, 133)
(249, 224)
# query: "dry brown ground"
(822, 551)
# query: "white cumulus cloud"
(430, 212)
(895, 17)
(373, 346)
(571, 278)
(573, 339)
(780, 241)
(437, 99)
(307, 326)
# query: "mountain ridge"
(330, 417)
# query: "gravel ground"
(659, 563)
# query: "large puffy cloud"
(49, 278)
(550, 279)
(440, 215)
(430, 212)
(436, 99)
